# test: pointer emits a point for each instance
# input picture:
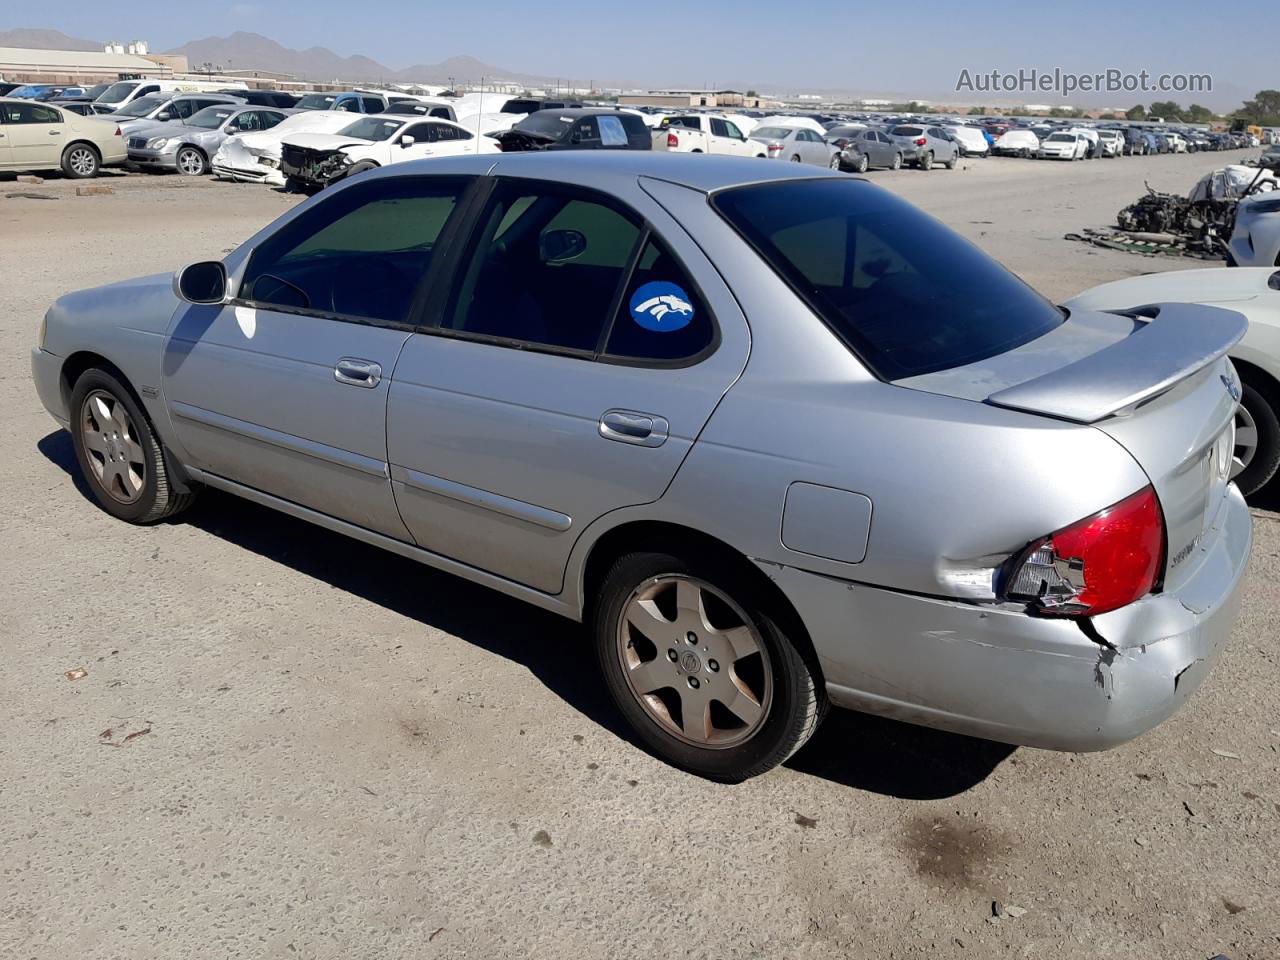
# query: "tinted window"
(908, 131)
(372, 128)
(421, 133)
(546, 268)
(718, 128)
(29, 113)
(445, 132)
(903, 291)
(661, 316)
(688, 123)
(361, 253)
(372, 104)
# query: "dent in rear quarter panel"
(126, 323)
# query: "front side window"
(546, 268)
(905, 293)
(361, 253)
(731, 130)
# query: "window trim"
(425, 286)
(443, 296)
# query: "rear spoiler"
(1170, 343)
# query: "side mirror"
(561, 246)
(204, 282)
(407, 141)
(164, 115)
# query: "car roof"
(701, 172)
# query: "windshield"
(547, 122)
(142, 106)
(905, 293)
(28, 92)
(771, 133)
(118, 91)
(372, 128)
(210, 118)
(317, 101)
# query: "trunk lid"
(1157, 380)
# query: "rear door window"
(661, 317)
(905, 293)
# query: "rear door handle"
(358, 373)
(55, 133)
(628, 426)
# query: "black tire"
(1260, 405)
(191, 162)
(863, 163)
(798, 701)
(80, 161)
(157, 499)
(897, 162)
(926, 162)
(951, 164)
(795, 158)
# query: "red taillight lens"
(672, 141)
(775, 148)
(1098, 564)
(921, 142)
(118, 133)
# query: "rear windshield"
(1062, 138)
(771, 133)
(908, 131)
(905, 293)
(547, 122)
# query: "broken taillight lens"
(1097, 564)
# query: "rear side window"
(905, 293)
(661, 316)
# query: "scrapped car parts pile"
(1197, 225)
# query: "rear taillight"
(921, 142)
(673, 142)
(118, 133)
(1098, 564)
(775, 148)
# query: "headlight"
(158, 143)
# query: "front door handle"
(358, 373)
(628, 426)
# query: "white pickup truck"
(704, 133)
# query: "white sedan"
(41, 136)
(255, 157)
(312, 161)
(1063, 146)
(1252, 291)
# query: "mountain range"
(252, 51)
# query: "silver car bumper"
(1000, 674)
(153, 159)
(46, 373)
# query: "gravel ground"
(288, 744)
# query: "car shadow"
(851, 749)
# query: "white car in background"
(705, 133)
(1112, 142)
(1063, 146)
(807, 123)
(255, 157)
(312, 161)
(1254, 292)
(1016, 143)
(971, 140)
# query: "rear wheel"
(926, 162)
(795, 158)
(80, 161)
(1257, 451)
(118, 452)
(863, 163)
(191, 162)
(701, 670)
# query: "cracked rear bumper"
(998, 673)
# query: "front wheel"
(80, 161)
(700, 669)
(835, 162)
(1257, 452)
(118, 452)
(191, 162)
(897, 162)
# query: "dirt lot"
(291, 745)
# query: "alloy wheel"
(694, 661)
(113, 447)
(1246, 447)
(190, 163)
(82, 161)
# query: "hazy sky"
(918, 46)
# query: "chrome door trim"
(507, 506)
(277, 438)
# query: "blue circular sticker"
(661, 307)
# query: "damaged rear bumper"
(996, 672)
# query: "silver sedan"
(797, 144)
(187, 146)
(777, 437)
